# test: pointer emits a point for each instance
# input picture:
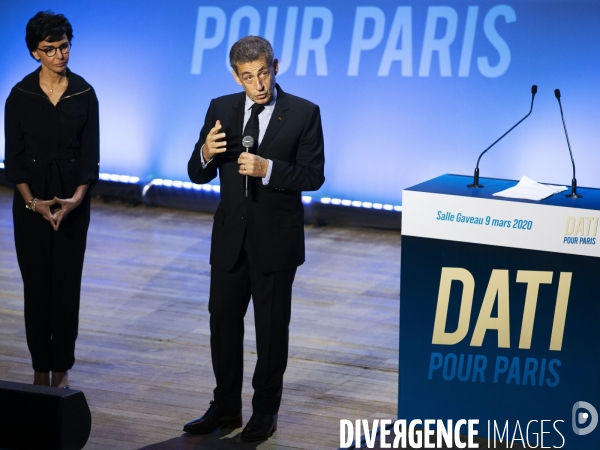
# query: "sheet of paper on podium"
(528, 189)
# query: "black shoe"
(214, 418)
(259, 427)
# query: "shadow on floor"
(220, 439)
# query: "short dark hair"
(248, 49)
(46, 26)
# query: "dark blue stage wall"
(408, 90)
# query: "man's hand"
(213, 144)
(252, 165)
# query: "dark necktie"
(252, 127)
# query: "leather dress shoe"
(214, 418)
(259, 427)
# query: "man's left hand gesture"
(252, 165)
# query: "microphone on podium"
(247, 143)
(573, 193)
(476, 174)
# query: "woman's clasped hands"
(56, 210)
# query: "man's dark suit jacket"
(273, 215)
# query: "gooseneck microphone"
(476, 174)
(247, 143)
(573, 193)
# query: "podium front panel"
(499, 312)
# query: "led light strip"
(359, 204)
(181, 185)
(119, 178)
(216, 188)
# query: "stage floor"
(143, 355)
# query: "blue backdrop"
(407, 90)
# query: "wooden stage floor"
(143, 356)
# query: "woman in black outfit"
(52, 157)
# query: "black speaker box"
(41, 417)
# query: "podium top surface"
(457, 185)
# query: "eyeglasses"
(50, 52)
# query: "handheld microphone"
(573, 193)
(476, 174)
(247, 143)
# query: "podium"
(500, 312)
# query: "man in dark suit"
(258, 229)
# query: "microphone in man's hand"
(573, 193)
(247, 143)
